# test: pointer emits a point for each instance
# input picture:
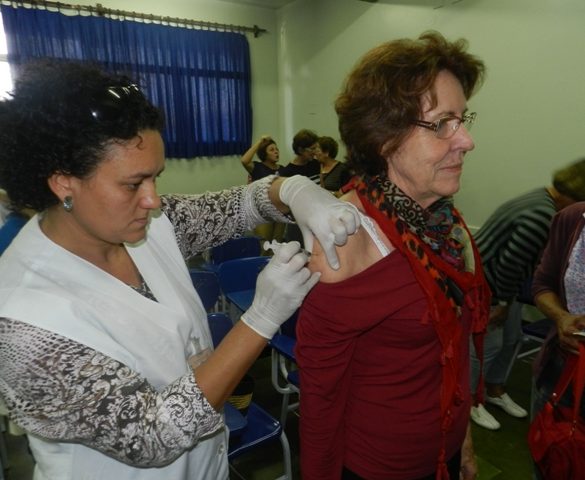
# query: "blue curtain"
(201, 79)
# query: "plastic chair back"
(241, 273)
(206, 284)
(219, 325)
(234, 248)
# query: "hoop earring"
(68, 203)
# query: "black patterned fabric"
(59, 389)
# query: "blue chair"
(284, 371)
(234, 248)
(237, 280)
(206, 284)
(260, 428)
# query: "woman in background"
(268, 153)
(305, 146)
(383, 342)
(559, 294)
(334, 174)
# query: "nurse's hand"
(280, 289)
(319, 214)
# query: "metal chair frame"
(534, 331)
(284, 373)
(240, 247)
(237, 280)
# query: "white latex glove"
(319, 213)
(280, 289)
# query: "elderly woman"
(558, 293)
(383, 342)
(105, 353)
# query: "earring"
(68, 203)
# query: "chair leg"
(3, 451)
(284, 409)
(286, 458)
(235, 472)
(516, 354)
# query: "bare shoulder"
(356, 255)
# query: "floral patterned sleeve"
(59, 389)
(205, 220)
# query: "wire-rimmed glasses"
(445, 127)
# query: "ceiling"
(274, 4)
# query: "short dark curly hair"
(60, 118)
(381, 96)
(304, 139)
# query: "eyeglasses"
(446, 127)
(109, 105)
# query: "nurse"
(105, 354)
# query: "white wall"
(531, 110)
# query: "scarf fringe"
(432, 272)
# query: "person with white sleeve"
(106, 358)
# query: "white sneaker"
(484, 418)
(507, 405)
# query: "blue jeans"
(498, 348)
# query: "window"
(5, 76)
(199, 78)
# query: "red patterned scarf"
(447, 266)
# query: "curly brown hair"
(264, 144)
(304, 139)
(381, 97)
(60, 118)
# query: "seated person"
(268, 153)
(334, 174)
(305, 145)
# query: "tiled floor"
(502, 455)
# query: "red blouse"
(371, 377)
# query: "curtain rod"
(102, 11)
